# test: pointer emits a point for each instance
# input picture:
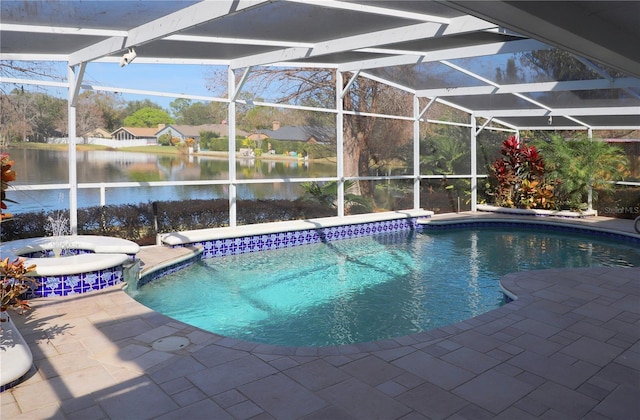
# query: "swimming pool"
(368, 288)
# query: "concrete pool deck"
(569, 347)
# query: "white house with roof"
(136, 133)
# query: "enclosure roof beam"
(496, 85)
(19, 81)
(98, 88)
(40, 29)
(508, 47)
(240, 84)
(185, 18)
(426, 108)
(35, 57)
(572, 85)
(486, 123)
(237, 41)
(506, 124)
(558, 112)
(73, 100)
(562, 25)
(97, 50)
(464, 24)
(388, 82)
(407, 33)
(345, 90)
(374, 10)
(604, 74)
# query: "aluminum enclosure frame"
(363, 38)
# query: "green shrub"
(135, 222)
(580, 163)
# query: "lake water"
(37, 167)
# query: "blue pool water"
(367, 289)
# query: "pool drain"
(170, 343)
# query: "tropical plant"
(445, 154)
(8, 175)
(580, 164)
(517, 178)
(15, 283)
(13, 274)
(327, 195)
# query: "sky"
(194, 79)
(184, 79)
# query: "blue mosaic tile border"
(170, 269)
(48, 253)
(73, 284)
(532, 226)
(246, 244)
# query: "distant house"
(98, 133)
(135, 133)
(294, 133)
(184, 132)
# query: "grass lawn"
(61, 147)
(89, 147)
(156, 149)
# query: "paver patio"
(568, 348)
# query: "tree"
(558, 64)
(148, 117)
(88, 115)
(31, 116)
(177, 107)
(17, 117)
(303, 86)
(259, 117)
(563, 66)
(579, 164)
(218, 112)
(29, 69)
(197, 114)
(444, 155)
(133, 106)
(49, 116)
(111, 107)
(511, 74)
(390, 142)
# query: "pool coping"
(200, 235)
(104, 252)
(563, 224)
(537, 212)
